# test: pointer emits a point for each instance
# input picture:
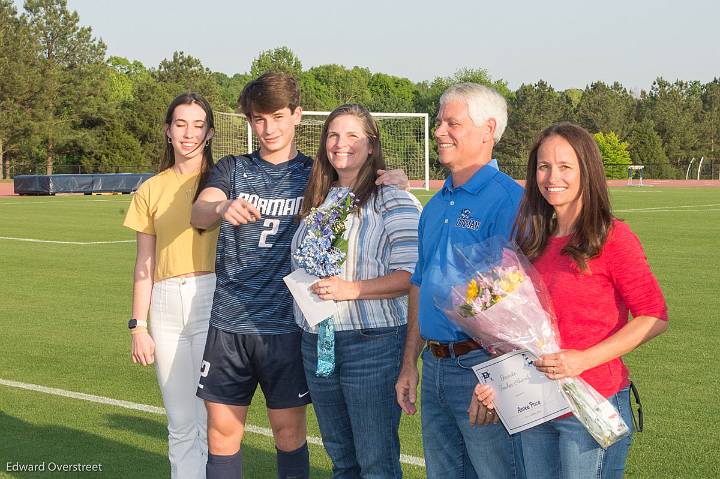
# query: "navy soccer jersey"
(252, 259)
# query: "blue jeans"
(453, 448)
(356, 406)
(563, 448)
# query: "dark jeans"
(454, 448)
(563, 448)
(356, 406)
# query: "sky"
(569, 44)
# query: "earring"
(169, 140)
(207, 143)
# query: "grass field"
(64, 306)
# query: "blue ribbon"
(326, 348)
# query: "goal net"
(404, 139)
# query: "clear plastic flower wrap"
(492, 292)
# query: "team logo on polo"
(466, 221)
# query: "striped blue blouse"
(382, 238)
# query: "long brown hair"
(168, 159)
(535, 222)
(323, 174)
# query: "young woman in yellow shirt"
(174, 278)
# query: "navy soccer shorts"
(234, 364)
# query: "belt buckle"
(432, 344)
(466, 343)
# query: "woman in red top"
(596, 272)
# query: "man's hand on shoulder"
(393, 177)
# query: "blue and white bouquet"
(322, 253)
(323, 250)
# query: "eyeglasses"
(638, 423)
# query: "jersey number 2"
(274, 225)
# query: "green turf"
(39, 428)
(64, 310)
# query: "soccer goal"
(405, 139)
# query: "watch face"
(132, 324)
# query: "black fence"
(17, 169)
(87, 184)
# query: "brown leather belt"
(446, 350)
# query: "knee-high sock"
(224, 467)
(293, 464)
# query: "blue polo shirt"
(483, 207)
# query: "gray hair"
(483, 103)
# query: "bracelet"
(138, 330)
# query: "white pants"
(179, 316)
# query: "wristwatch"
(137, 323)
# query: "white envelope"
(313, 308)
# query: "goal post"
(405, 139)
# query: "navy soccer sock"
(294, 464)
(224, 467)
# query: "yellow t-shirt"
(161, 207)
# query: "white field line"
(263, 431)
(20, 202)
(32, 240)
(672, 208)
(665, 211)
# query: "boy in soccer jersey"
(253, 337)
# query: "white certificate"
(524, 397)
(313, 308)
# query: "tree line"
(65, 102)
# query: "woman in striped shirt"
(355, 405)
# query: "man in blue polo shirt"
(476, 202)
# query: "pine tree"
(70, 77)
(646, 149)
(19, 75)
